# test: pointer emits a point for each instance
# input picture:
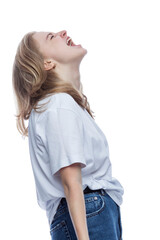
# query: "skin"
(63, 59)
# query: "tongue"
(73, 44)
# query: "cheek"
(60, 52)
(46, 50)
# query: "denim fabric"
(103, 219)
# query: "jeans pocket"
(59, 231)
(94, 203)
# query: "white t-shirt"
(60, 136)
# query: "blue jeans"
(102, 214)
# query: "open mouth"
(70, 42)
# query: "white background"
(120, 76)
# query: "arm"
(72, 183)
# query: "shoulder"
(58, 102)
(64, 101)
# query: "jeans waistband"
(86, 190)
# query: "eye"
(52, 36)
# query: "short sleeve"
(64, 139)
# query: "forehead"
(40, 36)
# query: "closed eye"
(52, 36)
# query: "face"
(54, 46)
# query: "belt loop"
(103, 191)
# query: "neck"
(69, 74)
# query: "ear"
(49, 64)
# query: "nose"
(63, 33)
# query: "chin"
(84, 51)
(79, 55)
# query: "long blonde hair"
(32, 83)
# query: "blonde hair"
(32, 83)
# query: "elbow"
(72, 186)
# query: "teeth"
(68, 41)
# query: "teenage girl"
(69, 152)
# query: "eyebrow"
(48, 35)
